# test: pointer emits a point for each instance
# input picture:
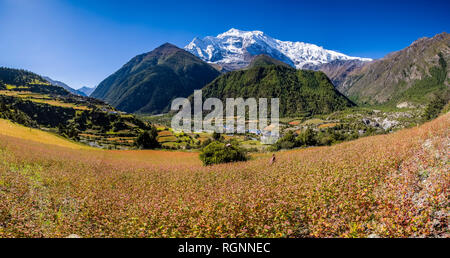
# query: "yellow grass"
(11, 129)
(165, 133)
(89, 135)
(8, 128)
(328, 125)
(39, 98)
(23, 94)
(167, 139)
(60, 104)
(10, 87)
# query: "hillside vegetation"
(30, 100)
(392, 185)
(300, 92)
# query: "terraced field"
(42, 98)
(394, 185)
(30, 100)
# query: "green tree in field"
(307, 138)
(290, 141)
(219, 152)
(70, 132)
(147, 139)
(434, 107)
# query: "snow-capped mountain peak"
(240, 33)
(235, 48)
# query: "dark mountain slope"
(149, 82)
(300, 92)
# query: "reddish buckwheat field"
(393, 185)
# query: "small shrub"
(218, 152)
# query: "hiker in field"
(272, 160)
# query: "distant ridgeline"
(414, 74)
(30, 100)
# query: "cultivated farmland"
(392, 185)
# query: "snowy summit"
(234, 49)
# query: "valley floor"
(394, 185)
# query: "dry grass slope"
(8, 128)
(390, 185)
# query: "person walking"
(272, 160)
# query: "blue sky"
(81, 42)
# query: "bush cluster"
(147, 139)
(218, 152)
